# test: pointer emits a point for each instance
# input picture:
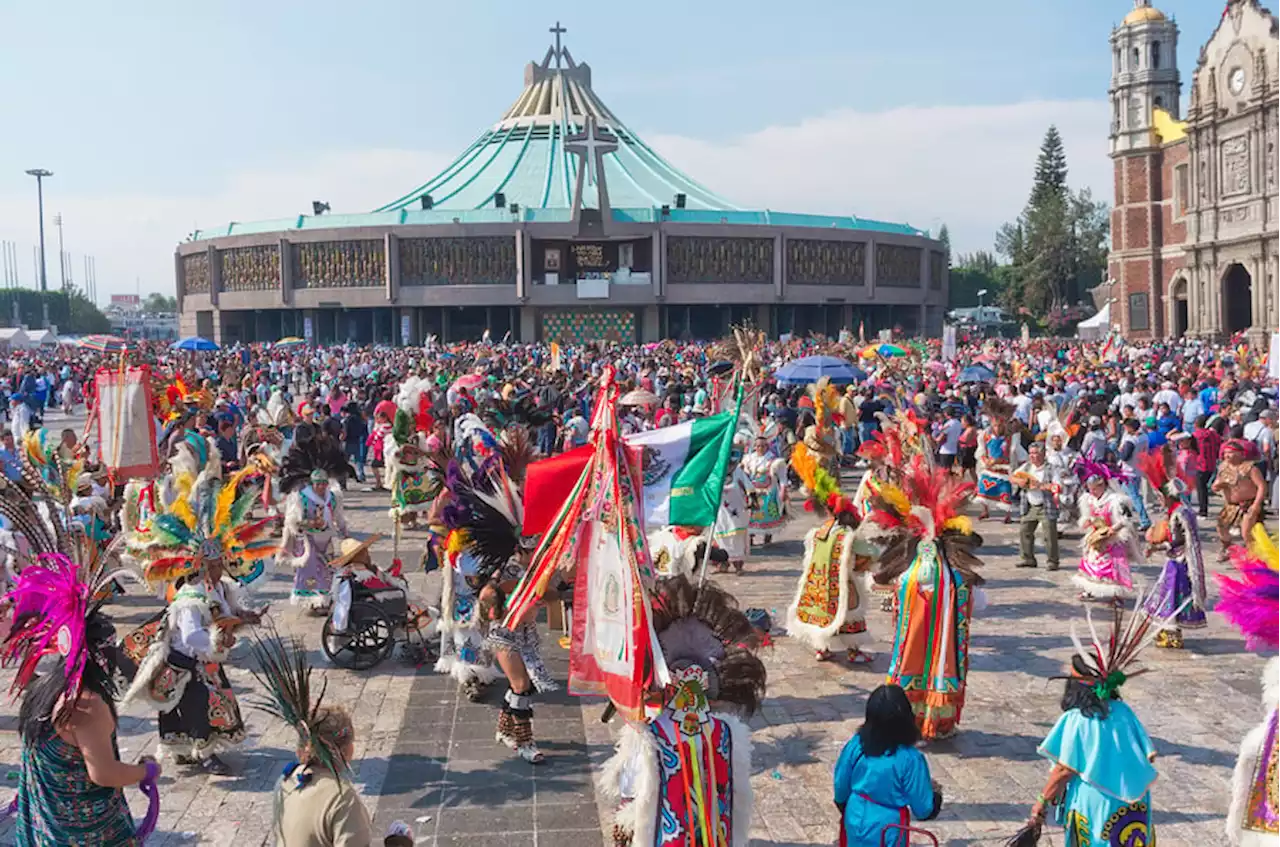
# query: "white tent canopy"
(1091, 329)
(14, 338)
(42, 337)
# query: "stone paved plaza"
(427, 756)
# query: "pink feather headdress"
(1252, 603)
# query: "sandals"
(857, 657)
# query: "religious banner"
(122, 412)
(948, 343)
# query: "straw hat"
(350, 549)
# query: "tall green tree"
(944, 235)
(1057, 247)
(159, 303)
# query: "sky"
(158, 117)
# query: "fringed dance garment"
(59, 805)
(830, 607)
(464, 653)
(931, 641)
(1180, 587)
(181, 673)
(312, 524)
(767, 475)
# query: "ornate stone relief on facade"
(1235, 215)
(812, 261)
(693, 260)
(1235, 165)
(490, 260)
(897, 266)
(196, 278)
(250, 268)
(339, 264)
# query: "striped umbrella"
(104, 343)
(290, 341)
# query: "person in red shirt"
(1209, 444)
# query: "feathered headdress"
(60, 478)
(998, 409)
(205, 525)
(310, 452)
(703, 626)
(486, 516)
(1086, 469)
(1252, 602)
(414, 399)
(823, 487)
(285, 671)
(516, 449)
(826, 398)
(924, 507)
(1153, 466)
(1108, 662)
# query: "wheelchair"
(380, 617)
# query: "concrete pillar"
(657, 263)
(391, 267)
(524, 263)
(285, 291)
(650, 325)
(870, 271)
(762, 317)
(215, 277)
(779, 267)
(179, 279)
(528, 324)
(924, 269)
(444, 325)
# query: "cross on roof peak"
(557, 31)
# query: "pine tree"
(944, 235)
(1051, 169)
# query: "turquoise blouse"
(873, 790)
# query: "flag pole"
(733, 431)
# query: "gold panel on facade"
(716, 260)
(812, 261)
(487, 260)
(196, 276)
(897, 266)
(339, 264)
(250, 268)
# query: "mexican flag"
(682, 467)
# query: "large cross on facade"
(591, 144)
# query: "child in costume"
(1102, 756)
(834, 592)
(1110, 539)
(314, 519)
(1179, 596)
(928, 551)
(768, 476)
(684, 777)
(999, 450)
(1252, 604)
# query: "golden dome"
(1143, 15)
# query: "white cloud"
(967, 166)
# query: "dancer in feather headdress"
(316, 803)
(834, 592)
(1179, 596)
(1000, 449)
(1252, 604)
(71, 784)
(928, 550)
(685, 776)
(405, 454)
(313, 515)
(1102, 756)
(491, 515)
(202, 547)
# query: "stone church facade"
(1194, 223)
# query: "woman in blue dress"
(881, 779)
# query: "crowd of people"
(1128, 445)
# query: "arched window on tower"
(1137, 59)
(1155, 55)
(1159, 102)
(1119, 65)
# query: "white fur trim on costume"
(743, 795)
(820, 637)
(1101, 589)
(1247, 762)
(636, 756)
(156, 658)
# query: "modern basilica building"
(1194, 226)
(557, 224)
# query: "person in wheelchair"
(355, 574)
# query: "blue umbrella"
(812, 368)
(977, 373)
(194, 343)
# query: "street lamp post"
(40, 174)
(981, 292)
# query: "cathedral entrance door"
(1237, 299)
(1181, 312)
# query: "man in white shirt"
(1022, 407)
(1169, 396)
(949, 439)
